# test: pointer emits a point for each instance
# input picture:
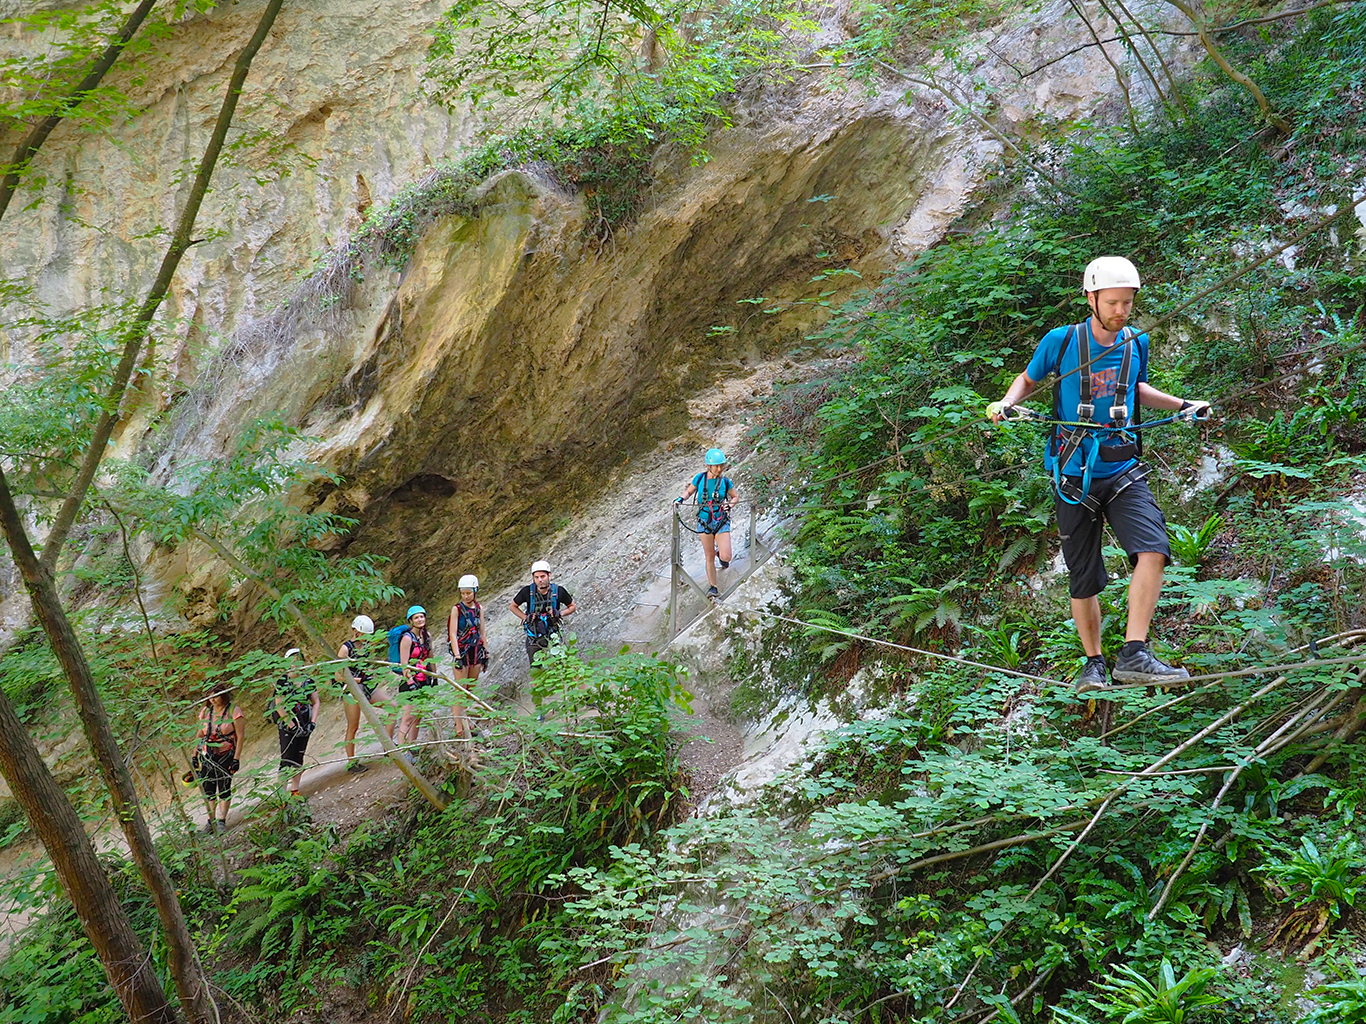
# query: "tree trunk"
(40, 582)
(42, 589)
(34, 140)
(126, 962)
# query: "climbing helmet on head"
(540, 565)
(363, 624)
(1110, 272)
(416, 609)
(715, 457)
(469, 582)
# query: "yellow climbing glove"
(998, 411)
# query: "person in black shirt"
(294, 710)
(541, 606)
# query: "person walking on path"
(715, 496)
(222, 736)
(354, 648)
(541, 606)
(1102, 370)
(465, 631)
(294, 709)
(415, 651)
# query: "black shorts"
(411, 687)
(534, 644)
(1135, 519)
(471, 656)
(214, 777)
(293, 743)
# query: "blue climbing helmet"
(715, 457)
(416, 609)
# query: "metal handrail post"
(673, 581)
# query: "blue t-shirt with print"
(1104, 370)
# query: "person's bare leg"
(352, 725)
(1086, 614)
(1145, 587)
(709, 552)
(723, 546)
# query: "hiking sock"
(1098, 659)
(1132, 647)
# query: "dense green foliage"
(461, 909)
(985, 843)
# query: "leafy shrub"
(1329, 880)
(1128, 996)
(1340, 1002)
(1191, 547)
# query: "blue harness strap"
(711, 512)
(1066, 441)
(543, 618)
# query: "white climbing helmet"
(293, 651)
(363, 624)
(468, 582)
(1110, 272)
(540, 565)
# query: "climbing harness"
(417, 655)
(1112, 442)
(1076, 490)
(466, 641)
(540, 622)
(358, 672)
(294, 717)
(713, 513)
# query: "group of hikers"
(297, 701)
(1092, 454)
(540, 606)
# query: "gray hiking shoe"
(1091, 677)
(1143, 666)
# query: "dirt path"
(614, 558)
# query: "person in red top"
(415, 658)
(222, 737)
(465, 629)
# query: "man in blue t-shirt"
(1118, 493)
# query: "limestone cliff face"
(474, 398)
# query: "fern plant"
(1191, 547)
(1129, 997)
(291, 895)
(1340, 1002)
(1331, 880)
(926, 605)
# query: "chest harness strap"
(1088, 435)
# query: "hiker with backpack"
(222, 736)
(294, 710)
(354, 649)
(1102, 370)
(541, 605)
(715, 496)
(410, 652)
(465, 634)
